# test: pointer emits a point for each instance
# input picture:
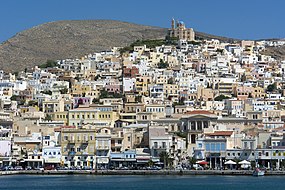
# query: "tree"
(16, 73)
(220, 50)
(95, 101)
(271, 87)
(48, 117)
(103, 94)
(14, 97)
(162, 64)
(32, 103)
(150, 163)
(47, 92)
(63, 91)
(194, 42)
(165, 158)
(170, 81)
(192, 161)
(117, 95)
(49, 63)
(221, 97)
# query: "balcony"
(71, 141)
(84, 142)
(158, 147)
(71, 153)
(103, 147)
(84, 153)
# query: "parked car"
(18, 168)
(86, 168)
(40, 168)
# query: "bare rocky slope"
(276, 52)
(71, 39)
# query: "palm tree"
(165, 158)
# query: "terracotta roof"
(65, 127)
(220, 133)
(197, 112)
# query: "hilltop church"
(180, 31)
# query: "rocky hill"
(276, 52)
(71, 39)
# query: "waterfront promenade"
(137, 172)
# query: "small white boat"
(258, 172)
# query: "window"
(155, 144)
(193, 125)
(163, 145)
(199, 123)
(193, 139)
(205, 124)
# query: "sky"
(242, 19)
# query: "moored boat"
(258, 172)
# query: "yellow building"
(84, 115)
(51, 106)
(161, 79)
(79, 89)
(85, 147)
(78, 147)
(170, 90)
(142, 84)
(60, 116)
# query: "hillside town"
(167, 103)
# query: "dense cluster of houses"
(194, 100)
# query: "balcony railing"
(103, 147)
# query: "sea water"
(86, 182)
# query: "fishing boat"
(258, 172)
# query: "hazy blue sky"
(245, 19)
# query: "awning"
(202, 162)
(230, 162)
(244, 162)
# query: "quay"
(137, 172)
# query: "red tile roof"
(197, 112)
(220, 133)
